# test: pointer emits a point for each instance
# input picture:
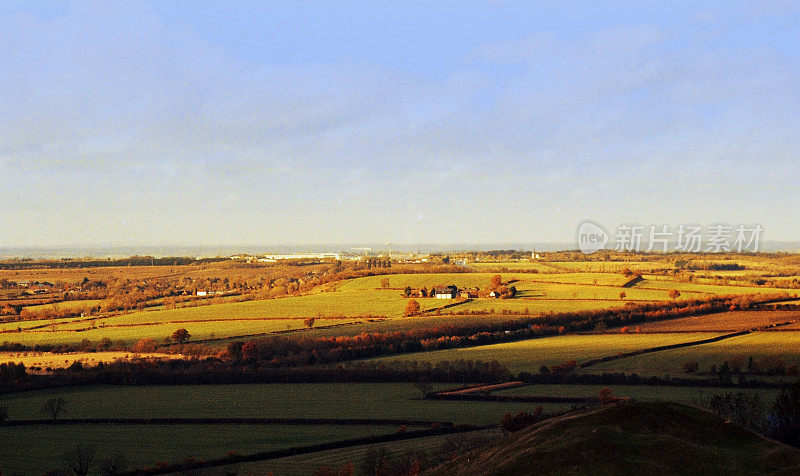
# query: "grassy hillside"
(630, 438)
(529, 355)
(759, 345)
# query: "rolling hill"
(630, 438)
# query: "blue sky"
(412, 122)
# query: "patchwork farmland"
(315, 354)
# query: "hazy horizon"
(222, 250)
(350, 122)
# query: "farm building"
(467, 294)
(446, 292)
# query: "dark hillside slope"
(631, 438)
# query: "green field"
(13, 326)
(779, 345)
(504, 266)
(332, 304)
(131, 334)
(415, 281)
(406, 323)
(529, 355)
(603, 279)
(535, 306)
(689, 395)
(610, 266)
(145, 444)
(306, 400)
(663, 283)
(37, 449)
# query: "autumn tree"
(180, 336)
(622, 295)
(309, 322)
(385, 283)
(54, 407)
(496, 281)
(145, 346)
(412, 308)
(674, 294)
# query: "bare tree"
(54, 407)
(81, 459)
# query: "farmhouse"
(445, 292)
(467, 294)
